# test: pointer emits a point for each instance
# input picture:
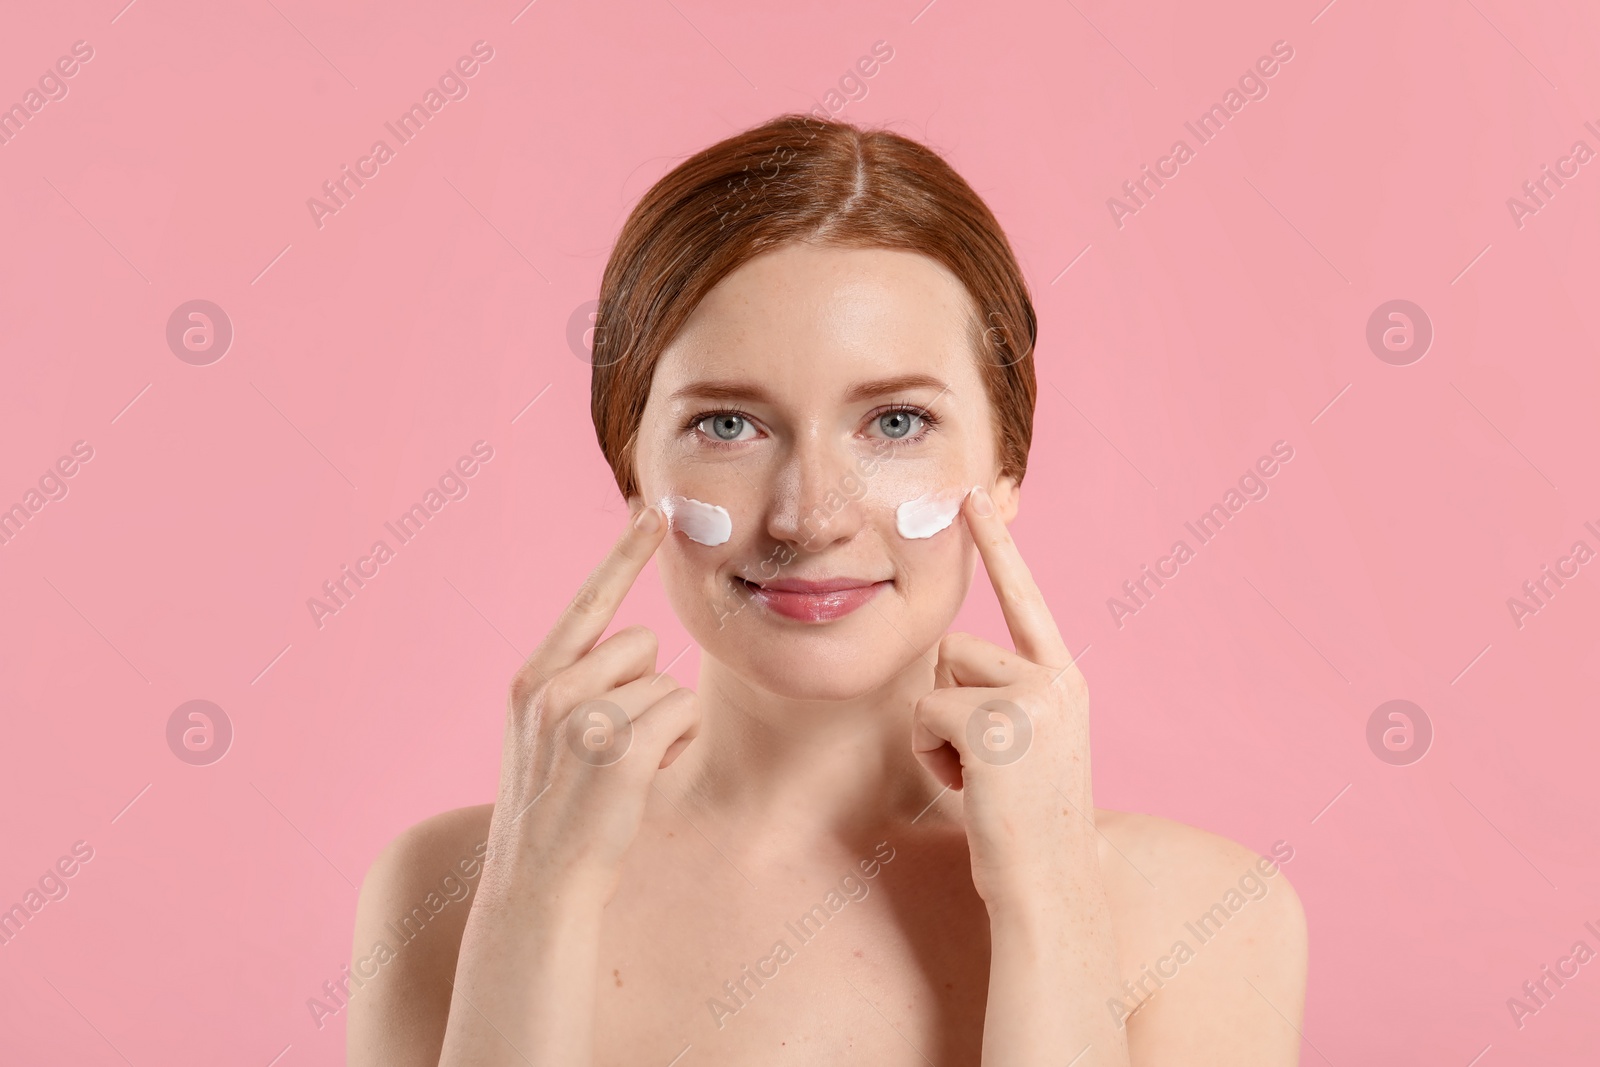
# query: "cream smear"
(929, 513)
(706, 524)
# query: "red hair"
(802, 178)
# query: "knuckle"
(524, 687)
(1073, 681)
(558, 694)
(667, 716)
(953, 641)
(587, 600)
(518, 691)
(928, 705)
(1023, 597)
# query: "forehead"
(821, 319)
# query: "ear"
(1007, 496)
(635, 505)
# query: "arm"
(1058, 991)
(524, 990)
(507, 973)
(1218, 972)
(400, 956)
(587, 727)
(1052, 969)
(1011, 729)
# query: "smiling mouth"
(813, 601)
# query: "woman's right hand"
(587, 727)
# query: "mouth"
(814, 600)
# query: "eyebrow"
(725, 389)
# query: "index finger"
(1033, 628)
(588, 614)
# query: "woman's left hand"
(1011, 730)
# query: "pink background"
(426, 315)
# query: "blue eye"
(898, 424)
(725, 426)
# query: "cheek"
(709, 504)
(701, 522)
(928, 514)
(934, 574)
(690, 576)
(917, 498)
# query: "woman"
(859, 839)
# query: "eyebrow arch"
(898, 384)
(723, 389)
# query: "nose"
(816, 495)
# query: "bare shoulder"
(409, 920)
(1212, 939)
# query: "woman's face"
(810, 394)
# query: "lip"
(815, 600)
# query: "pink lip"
(816, 601)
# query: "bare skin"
(964, 908)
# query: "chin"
(816, 670)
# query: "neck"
(768, 770)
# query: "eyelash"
(930, 422)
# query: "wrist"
(1026, 913)
(1032, 896)
(529, 892)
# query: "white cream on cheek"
(706, 524)
(916, 519)
(925, 515)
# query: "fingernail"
(647, 520)
(981, 503)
